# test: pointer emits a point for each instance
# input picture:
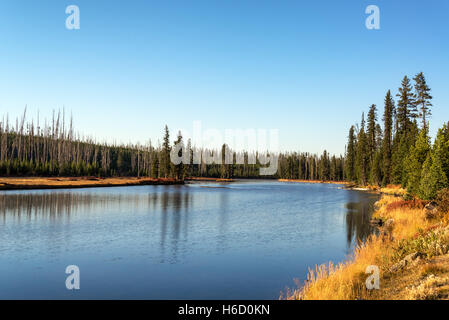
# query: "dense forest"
(400, 151)
(395, 150)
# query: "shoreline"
(313, 181)
(394, 190)
(209, 179)
(411, 253)
(45, 183)
(40, 183)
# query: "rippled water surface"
(244, 240)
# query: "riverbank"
(395, 190)
(411, 252)
(209, 179)
(392, 190)
(31, 183)
(313, 181)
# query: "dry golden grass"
(344, 281)
(431, 288)
(410, 230)
(434, 268)
(395, 190)
(407, 220)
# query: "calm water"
(245, 240)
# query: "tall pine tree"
(422, 97)
(406, 106)
(351, 156)
(371, 138)
(387, 143)
(362, 154)
(166, 149)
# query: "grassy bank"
(79, 182)
(411, 251)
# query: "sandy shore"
(81, 182)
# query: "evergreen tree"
(433, 177)
(387, 140)
(362, 154)
(441, 146)
(371, 136)
(415, 160)
(351, 156)
(406, 106)
(422, 97)
(166, 149)
(325, 167)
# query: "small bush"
(443, 201)
(427, 244)
(428, 289)
(407, 204)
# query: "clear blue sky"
(307, 68)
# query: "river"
(240, 240)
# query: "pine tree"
(433, 177)
(422, 97)
(362, 155)
(441, 146)
(166, 163)
(415, 160)
(387, 140)
(406, 106)
(325, 167)
(351, 156)
(371, 136)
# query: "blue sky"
(307, 68)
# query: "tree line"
(54, 149)
(395, 149)
(400, 150)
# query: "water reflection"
(359, 208)
(56, 205)
(173, 204)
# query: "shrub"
(407, 204)
(443, 201)
(427, 244)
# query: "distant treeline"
(400, 151)
(29, 149)
(396, 150)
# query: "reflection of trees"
(360, 207)
(169, 204)
(53, 205)
(173, 203)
